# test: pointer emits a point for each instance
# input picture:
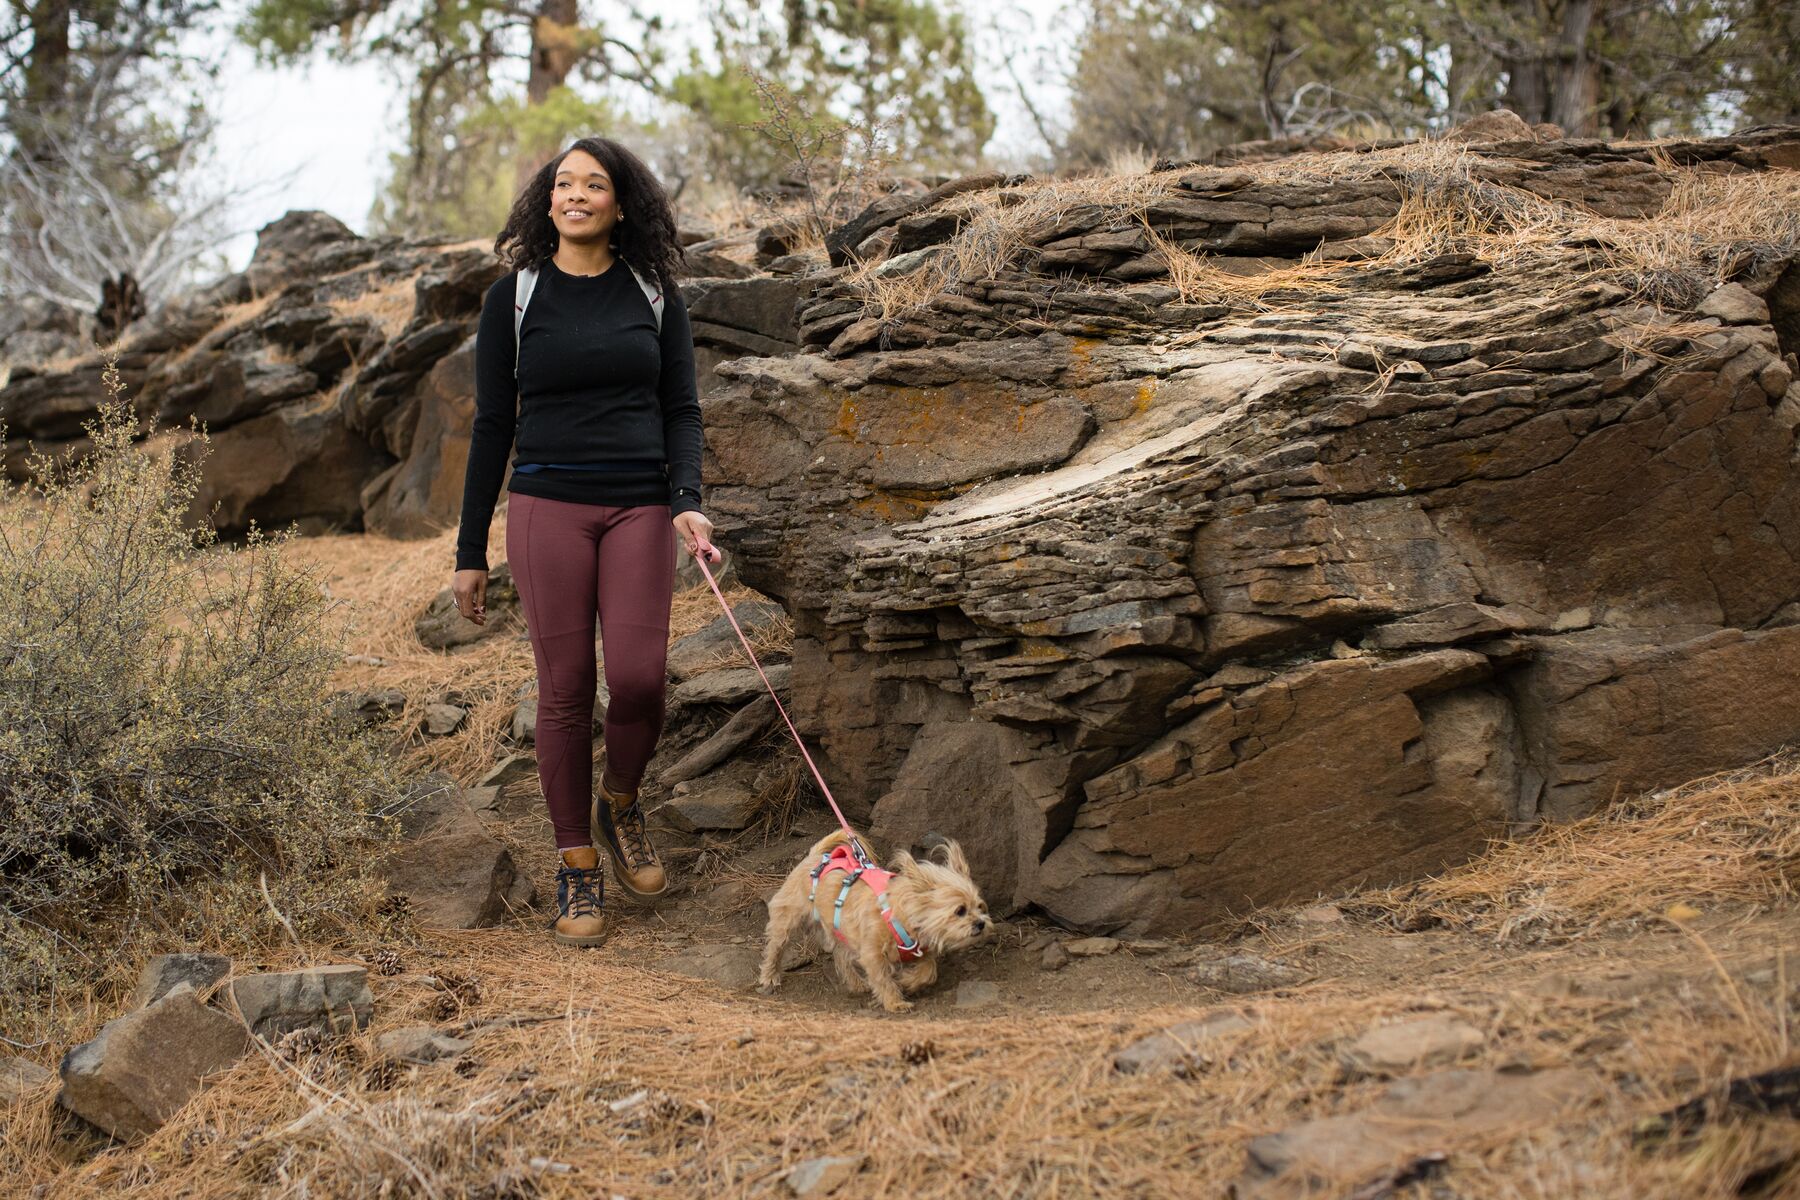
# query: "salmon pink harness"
(842, 858)
(851, 859)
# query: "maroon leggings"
(571, 562)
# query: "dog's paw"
(899, 1006)
(767, 986)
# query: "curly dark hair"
(647, 241)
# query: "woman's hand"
(470, 589)
(696, 534)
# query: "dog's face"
(943, 905)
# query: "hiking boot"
(580, 900)
(621, 824)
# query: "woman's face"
(583, 206)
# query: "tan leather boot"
(621, 824)
(580, 899)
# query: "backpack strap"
(526, 282)
(523, 285)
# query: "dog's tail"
(829, 842)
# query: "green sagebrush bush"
(167, 733)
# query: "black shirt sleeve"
(683, 437)
(496, 414)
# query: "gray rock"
(377, 706)
(1735, 304)
(332, 998)
(722, 963)
(1091, 947)
(822, 1176)
(734, 685)
(510, 770)
(1180, 1049)
(163, 972)
(1413, 1116)
(745, 726)
(1497, 125)
(724, 806)
(441, 626)
(1054, 957)
(441, 720)
(977, 993)
(419, 1044)
(20, 1077)
(1408, 1045)
(454, 874)
(524, 722)
(143, 1066)
(699, 651)
(1244, 973)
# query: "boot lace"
(579, 892)
(629, 822)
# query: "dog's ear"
(901, 862)
(950, 853)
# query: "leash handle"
(857, 846)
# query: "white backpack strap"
(522, 289)
(652, 293)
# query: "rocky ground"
(1531, 1024)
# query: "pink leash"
(700, 558)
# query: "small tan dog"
(936, 903)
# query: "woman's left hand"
(696, 534)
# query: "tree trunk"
(554, 48)
(1551, 74)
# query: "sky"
(317, 135)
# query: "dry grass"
(1728, 840)
(389, 307)
(596, 1075)
(1711, 228)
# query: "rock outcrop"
(1235, 533)
(335, 375)
(1171, 593)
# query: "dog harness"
(856, 866)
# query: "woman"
(594, 391)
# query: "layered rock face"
(335, 375)
(1170, 593)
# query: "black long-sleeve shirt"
(604, 410)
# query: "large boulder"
(1167, 608)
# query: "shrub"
(166, 737)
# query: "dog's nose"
(980, 925)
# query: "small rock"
(744, 1038)
(746, 725)
(375, 707)
(524, 722)
(365, 660)
(20, 1077)
(1408, 1045)
(1055, 957)
(1243, 973)
(163, 972)
(441, 720)
(1321, 914)
(722, 963)
(733, 685)
(1179, 1048)
(143, 1066)
(419, 1044)
(1091, 947)
(822, 1176)
(722, 806)
(697, 652)
(1147, 945)
(1735, 304)
(976, 993)
(509, 770)
(330, 997)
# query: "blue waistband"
(641, 466)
